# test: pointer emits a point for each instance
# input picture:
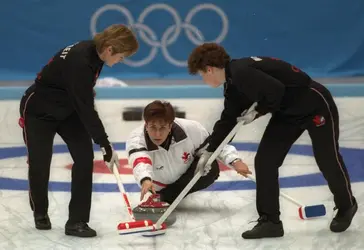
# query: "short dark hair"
(158, 110)
(207, 54)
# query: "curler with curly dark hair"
(207, 54)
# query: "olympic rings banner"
(325, 38)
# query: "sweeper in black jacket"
(297, 103)
(61, 101)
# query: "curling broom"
(304, 212)
(133, 226)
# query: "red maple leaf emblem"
(185, 157)
(319, 120)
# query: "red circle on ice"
(100, 168)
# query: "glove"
(110, 156)
(201, 149)
(249, 115)
(201, 164)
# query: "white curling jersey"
(166, 166)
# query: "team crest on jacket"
(319, 120)
(185, 157)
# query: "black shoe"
(79, 229)
(264, 229)
(42, 222)
(342, 219)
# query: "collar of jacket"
(228, 71)
(227, 76)
(94, 55)
(177, 135)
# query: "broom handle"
(121, 189)
(281, 193)
(198, 175)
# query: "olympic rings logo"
(170, 35)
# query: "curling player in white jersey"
(162, 153)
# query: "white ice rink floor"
(210, 219)
(205, 220)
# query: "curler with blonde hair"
(119, 37)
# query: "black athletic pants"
(323, 129)
(170, 193)
(38, 136)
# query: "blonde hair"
(119, 37)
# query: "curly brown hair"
(159, 110)
(207, 54)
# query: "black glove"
(110, 156)
(107, 152)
